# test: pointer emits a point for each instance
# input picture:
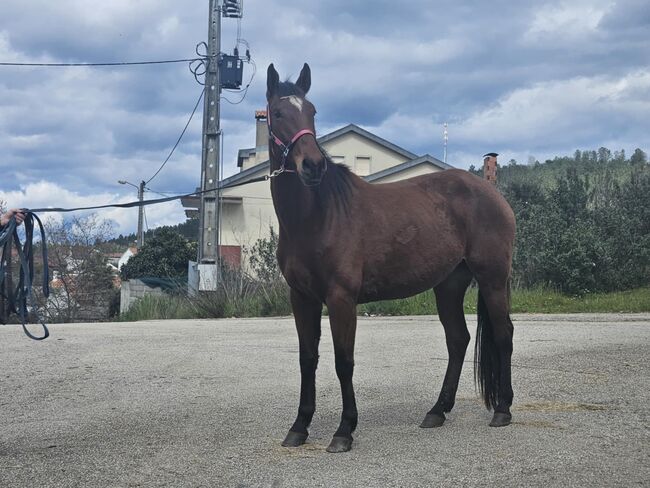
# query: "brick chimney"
(247, 158)
(490, 167)
(261, 132)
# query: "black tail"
(486, 357)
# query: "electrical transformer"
(231, 70)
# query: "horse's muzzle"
(313, 171)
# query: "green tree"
(571, 195)
(604, 155)
(587, 231)
(165, 255)
(639, 157)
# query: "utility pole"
(204, 276)
(140, 241)
(140, 235)
(222, 71)
(208, 211)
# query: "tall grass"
(540, 300)
(152, 307)
(234, 300)
(534, 300)
(273, 300)
(266, 299)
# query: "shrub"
(165, 255)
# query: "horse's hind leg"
(490, 262)
(449, 298)
(307, 314)
(494, 349)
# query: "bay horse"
(344, 241)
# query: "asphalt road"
(207, 403)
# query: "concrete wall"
(133, 290)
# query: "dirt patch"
(559, 407)
(541, 424)
(307, 450)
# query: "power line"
(157, 192)
(121, 63)
(178, 141)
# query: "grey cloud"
(627, 15)
(400, 69)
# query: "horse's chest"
(301, 272)
(296, 274)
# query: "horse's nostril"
(311, 166)
(312, 171)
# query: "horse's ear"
(272, 81)
(304, 80)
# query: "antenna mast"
(446, 138)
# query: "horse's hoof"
(340, 444)
(433, 420)
(500, 419)
(294, 439)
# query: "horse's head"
(291, 127)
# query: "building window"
(338, 159)
(362, 165)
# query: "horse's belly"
(400, 278)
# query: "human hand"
(5, 218)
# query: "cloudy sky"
(524, 79)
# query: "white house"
(247, 211)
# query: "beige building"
(247, 211)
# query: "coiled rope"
(19, 297)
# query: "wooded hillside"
(583, 222)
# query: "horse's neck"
(295, 204)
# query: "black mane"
(335, 189)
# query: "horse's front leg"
(343, 322)
(307, 314)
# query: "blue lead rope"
(22, 294)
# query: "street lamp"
(140, 189)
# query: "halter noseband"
(286, 148)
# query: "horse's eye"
(277, 114)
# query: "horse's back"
(471, 198)
(479, 200)
(471, 206)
